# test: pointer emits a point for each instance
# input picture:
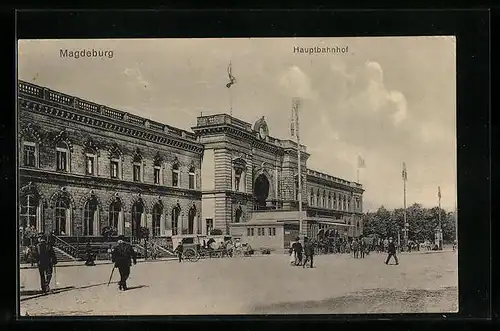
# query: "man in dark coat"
(391, 250)
(45, 258)
(179, 250)
(309, 252)
(122, 256)
(297, 248)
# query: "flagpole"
(357, 176)
(230, 102)
(439, 220)
(405, 234)
(296, 105)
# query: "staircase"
(62, 256)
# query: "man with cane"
(46, 259)
(122, 256)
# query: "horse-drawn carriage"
(198, 247)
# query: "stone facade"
(84, 166)
(64, 132)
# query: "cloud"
(297, 83)
(136, 76)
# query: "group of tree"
(422, 223)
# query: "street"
(253, 285)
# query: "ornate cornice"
(104, 118)
(73, 180)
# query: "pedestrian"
(46, 259)
(123, 255)
(391, 251)
(362, 248)
(89, 261)
(179, 250)
(309, 253)
(355, 248)
(110, 252)
(298, 249)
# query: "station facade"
(84, 166)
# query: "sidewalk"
(98, 262)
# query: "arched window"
(90, 217)
(62, 217)
(311, 198)
(191, 216)
(318, 197)
(137, 217)
(157, 211)
(175, 219)
(191, 178)
(62, 156)
(115, 209)
(28, 215)
(323, 202)
(175, 175)
(330, 200)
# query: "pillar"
(162, 225)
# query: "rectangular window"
(114, 169)
(237, 179)
(209, 225)
(29, 155)
(248, 232)
(270, 231)
(252, 232)
(137, 173)
(175, 179)
(90, 165)
(157, 175)
(274, 231)
(191, 181)
(61, 159)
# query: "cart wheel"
(191, 255)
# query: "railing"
(65, 247)
(322, 175)
(71, 101)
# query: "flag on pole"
(404, 173)
(361, 162)
(439, 192)
(232, 79)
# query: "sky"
(387, 100)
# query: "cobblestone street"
(255, 285)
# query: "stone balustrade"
(87, 106)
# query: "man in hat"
(391, 251)
(122, 256)
(45, 258)
(309, 252)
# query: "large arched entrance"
(261, 191)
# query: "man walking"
(45, 258)
(309, 252)
(391, 251)
(122, 256)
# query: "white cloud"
(297, 83)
